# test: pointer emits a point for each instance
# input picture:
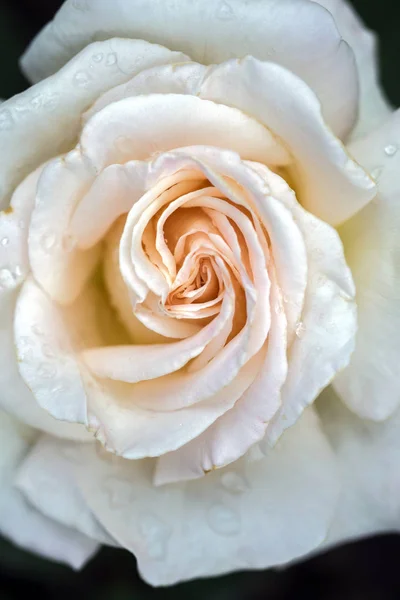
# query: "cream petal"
(47, 480)
(296, 34)
(14, 223)
(369, 385)
(139, 363)
(373, 105)
(367, 457)
(57, 264)
(112, 194)
(16, 398)
(182, 78)
(277, 508)
(161, 122)
(331, 184)
(325, 336)
(22, 523)
(46, 358)
(45, 120)
(245, 423)
(134, 432)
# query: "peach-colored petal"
(245, 423)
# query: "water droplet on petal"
(376, 173)
(37, 330)
(18, 271)
(120, 492)
(233, 482)
(5, 241)
(225, 12)
(6, 278)
(155, 534)
(300, 329)
(223, 520)
(68, 243)
(98, 57)
(82, 78)
(111, 59)
(47, 241)
(390, 150)
(47, 351)
(47, 371)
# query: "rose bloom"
(189, 256)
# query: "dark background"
(365, 570)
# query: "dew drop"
(68, 243)
(5, 241)
(47, 351)
(111, 59)
(47, 241)
(18, 271)
(6, 278)
(390, 150)
(300, 329)
(47, 371)
(223, 520)
(155, 534)
(376, 173)
(225, 12)
(120, 492)
(233, 482)
(97, 58)
(37, 330)
(81, 78)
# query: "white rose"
(174, 292)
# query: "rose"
(177, 286)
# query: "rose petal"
(16, 398)
(256, 515)
(46, 355)
(57, 264)
(161, 122)
(297, 34)
(367, 456)
(45, 120)
(373, 106)
(14, 223)
(133, 432)
(369, 385)
(178, 78)
(22, 523)
(245, 423)
(46, 479)
(325, 337)
(330, 184)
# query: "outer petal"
(326, 335)
(370, 385)
(373, 106)
(15, 396)
(44, 120)
(260, 514)
(21, 522)
(367, 455)
(46, 478)
(297, 34)
(328, 182)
